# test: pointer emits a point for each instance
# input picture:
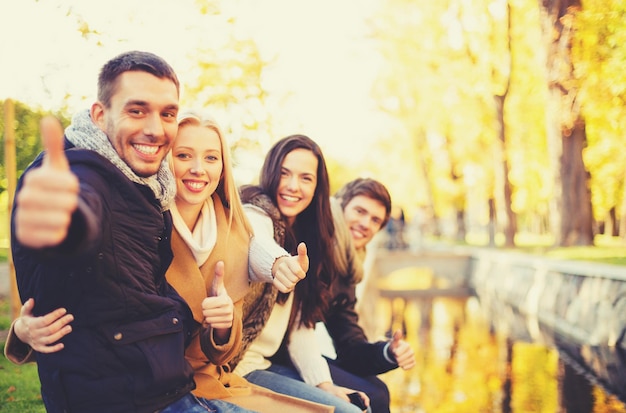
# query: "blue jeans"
(193, 404)
(287, 381)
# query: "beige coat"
(214, 379)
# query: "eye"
(169, 115)
(183, 155)
(212, 158)
(136, 111)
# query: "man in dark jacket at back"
(90, 234)
(361, 208)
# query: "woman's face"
(198, 164)
(298, 180)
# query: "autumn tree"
(574, 219)
(599, 58)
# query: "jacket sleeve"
(221, 354)
(16, 350)
(354, 353)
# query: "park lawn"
(19, 387)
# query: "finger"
(50, 349)
(217, 286)
(303, 258)
(52, 138)
(397, 336)
(27, 308)
(365, 398)
(58, 330)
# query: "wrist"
(18, 328)
(325, 385)
(388, 355)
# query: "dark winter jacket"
(354, 352)
(126, 349)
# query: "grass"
(19, 388)
(606, 249)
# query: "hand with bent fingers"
(218, 309)
(42, 333)
(402, 351)
(288, 271)
(49, 194)
(342, 392)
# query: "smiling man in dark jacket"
(91, 234)
(361, 208)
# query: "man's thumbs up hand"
(49, 194)
(402, 351)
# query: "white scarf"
(85, 134)
(204, 236)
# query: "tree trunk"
(576, 218)
(614, 224)
(492, 221)
(577, 223)
(510, 227)
(421, 149)
(10, 167)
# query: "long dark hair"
(313, 226)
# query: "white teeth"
(289, 198)
(195, 185)
(358, 234)
(147, 149)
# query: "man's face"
(364, 216)
(141, 120)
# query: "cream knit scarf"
(204, 235)
(85, 134)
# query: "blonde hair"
(226, 189)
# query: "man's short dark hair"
(132, 61)
(368, 187)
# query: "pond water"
(464, 365)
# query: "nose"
(292, 183)
(196, 167)
(153, 125)
(364, 221)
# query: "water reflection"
(465, 366)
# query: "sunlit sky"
(322, 58)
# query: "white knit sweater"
(303, 348)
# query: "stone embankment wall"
(577, 307)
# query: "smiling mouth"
(290, 198)
(146, 149)
(195, 185)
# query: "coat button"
(117, 336)
(174, 320)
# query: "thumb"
(397, 336)
(52, 138)
(27, 308)
(303, 258)
(218, 280)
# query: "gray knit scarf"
(85, 134)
